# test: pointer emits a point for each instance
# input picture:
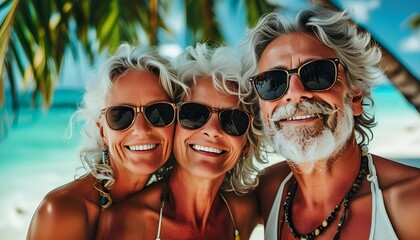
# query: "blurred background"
(50, 49)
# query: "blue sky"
(388, 21)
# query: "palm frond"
(5, 31)
(255, 9)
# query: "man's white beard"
(308, 144)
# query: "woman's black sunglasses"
(158, 114)
(316, 75)
(192, 115)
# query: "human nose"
(141, 125)
(212, 127)
(296, 91)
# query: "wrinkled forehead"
(293, 49)
(211, 93)
(215, 82)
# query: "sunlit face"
(196, 151)
(303, 125)
(142, 148)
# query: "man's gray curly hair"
(354, 47)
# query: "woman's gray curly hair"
(223, 65)
(126, 58)
(354, 47)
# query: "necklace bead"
(345, 203)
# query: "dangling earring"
(105, 199)
(243, 157)
(105, 157)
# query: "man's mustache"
(310, 107)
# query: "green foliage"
(36, 33)
(256, 9)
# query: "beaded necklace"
(321, 228)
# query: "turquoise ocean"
(37, 156)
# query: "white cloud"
(361, 9)
(410, 44)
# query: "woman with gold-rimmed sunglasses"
(214, 146)
(128, 115)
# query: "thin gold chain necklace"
(162, 205)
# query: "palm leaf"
(115, 23)
(5, 31)
(255, 9)
(201, 22)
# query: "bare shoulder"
(400, 186)
(65, 212)
(393, 175)
(138, 204)
(271, 178)
(149, 198)
(132, 218)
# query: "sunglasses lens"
(160, 114)
(271, 85)
(234, 122)
(120, 117)
(315, 76)
(192, 115)
(318, 75)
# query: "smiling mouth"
(302, 117)
(141, 147)
(206, 149)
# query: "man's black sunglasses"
(316, 75)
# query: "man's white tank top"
(381, 227)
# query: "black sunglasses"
(192, 115)
(159, 114)
(316, 75)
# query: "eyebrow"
(280, 67)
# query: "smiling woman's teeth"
(142, 147)
(206, 149)
(301, 117)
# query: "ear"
(101, 130)
(356, 102)
(246, 149)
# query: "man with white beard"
(313, 79)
